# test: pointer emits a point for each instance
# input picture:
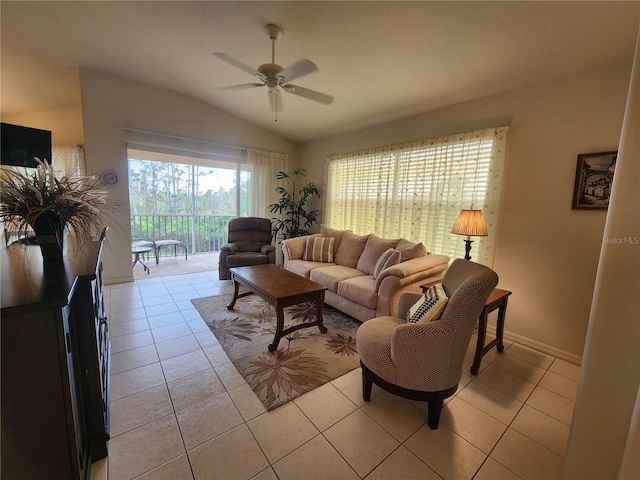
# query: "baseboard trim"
(541, 347)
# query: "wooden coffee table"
(280, 288)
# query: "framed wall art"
(594, 176)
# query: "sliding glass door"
(185, 198)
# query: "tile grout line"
(488, 455)
(174, 414)
(245, 421)
(226, 391)
(537, 384)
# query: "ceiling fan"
(277, 78)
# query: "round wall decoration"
(110, 178)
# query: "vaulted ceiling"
(379, 60)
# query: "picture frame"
(594, 177)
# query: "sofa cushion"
(331, 276)
(303, 267)
(410, 250)
(429, 307)
(319, 249)
(361, 290)
(374, 247)
(332, 232)
(350, 249)
(243, 259)
(388, 258)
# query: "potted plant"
(41, 204)
(294, 207)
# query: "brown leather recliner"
(249, 243)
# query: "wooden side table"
(497, 301)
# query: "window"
(191, 194)
(169, 187)
(185, 198)
(416, 190)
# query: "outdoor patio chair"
(158, 245)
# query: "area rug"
(304, 360)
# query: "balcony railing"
(200, 233)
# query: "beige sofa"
(349, 278)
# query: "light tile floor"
(180, 410)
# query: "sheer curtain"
(262, 167)
(415, 190)
(68, 159)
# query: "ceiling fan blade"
(307, 93)
(236, 63)
(275, 100)
(297, 70)
(243, 86)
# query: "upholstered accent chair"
(249, 243)
(423, 361)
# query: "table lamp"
(470, 223)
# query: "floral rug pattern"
(304, 360)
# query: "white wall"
(111, 104)
(546, 253)
(605, 429)
(65, 123)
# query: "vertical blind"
(415, 190)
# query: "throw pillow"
(350, 249)
(332, 232)
(319, 249)
(429, 307)
(374, 247)
(388, 258)
(410, 250)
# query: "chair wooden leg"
(367, 384)
(434, 411)
(435, 400)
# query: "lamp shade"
(470, 223)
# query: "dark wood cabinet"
(54, 364)
(90, 320)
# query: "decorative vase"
(49, 232)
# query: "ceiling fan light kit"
(275, 77)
